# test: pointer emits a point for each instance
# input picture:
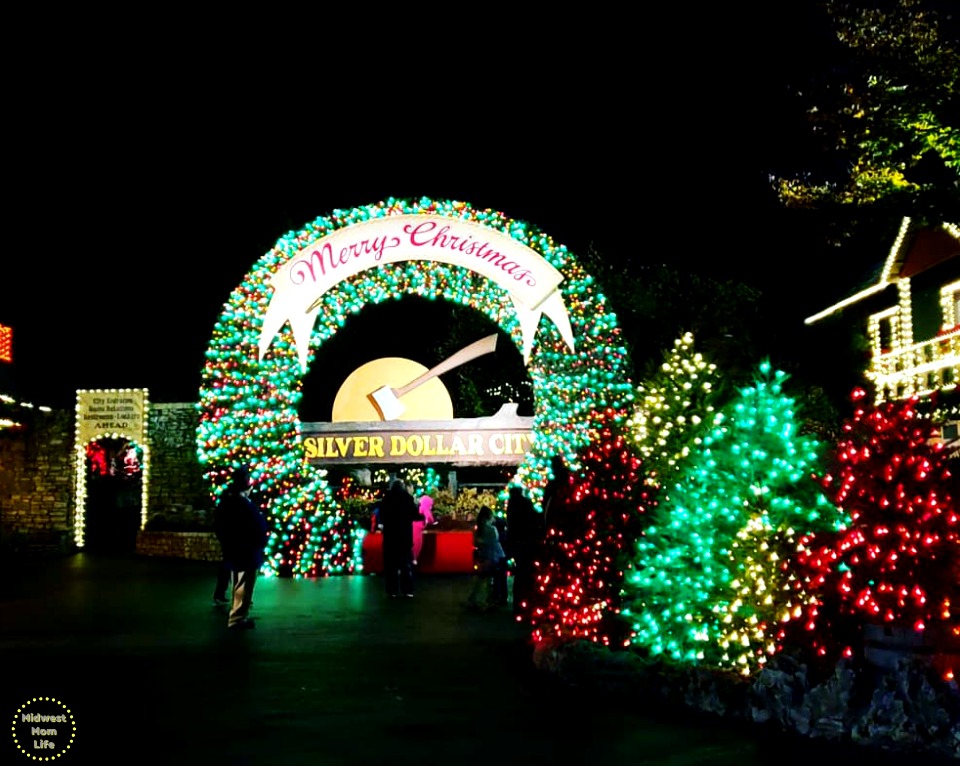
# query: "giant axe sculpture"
(387, 399)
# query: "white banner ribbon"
(299, 284)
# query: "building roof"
(914, 250)
(930, 248)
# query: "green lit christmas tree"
(898, 562)
(709, 584)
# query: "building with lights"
(11, 409)
(911, 309)
(14, 409)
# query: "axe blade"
(387, 403)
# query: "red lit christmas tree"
(898, 562)
(591, 533)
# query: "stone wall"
(37, 475)
(196, 546)
(37, 481)
(177, 486)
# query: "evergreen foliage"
(709, 583)
(672, 408)
(588, 543)
(898, 561)
(883, 109)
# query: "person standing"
(501, 571)
(398, 512)
(555, 493)
(375, 517)
(426, 510)
(487, 555)
(525, 527)
(243, 537)
(223, 573)
(220, 531)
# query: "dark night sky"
(140, 193)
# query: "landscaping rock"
(908, 709)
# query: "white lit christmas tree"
(672, 408)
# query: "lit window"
(950, 302)
(6, 344)
(884, 331)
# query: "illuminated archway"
(300, 293)
(114, 414)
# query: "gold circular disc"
(429, 401)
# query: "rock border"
(908, 709)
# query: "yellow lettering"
(441, 449)
(440, 444)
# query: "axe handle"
(478, 348)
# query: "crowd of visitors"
(503, 544)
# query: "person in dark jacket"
(488, 553)
(224, 572)
(501, 593)
(556, 493)
(398, 511)
(526, 532)
(242, 531)
(223, 580)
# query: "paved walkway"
(335, 673)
